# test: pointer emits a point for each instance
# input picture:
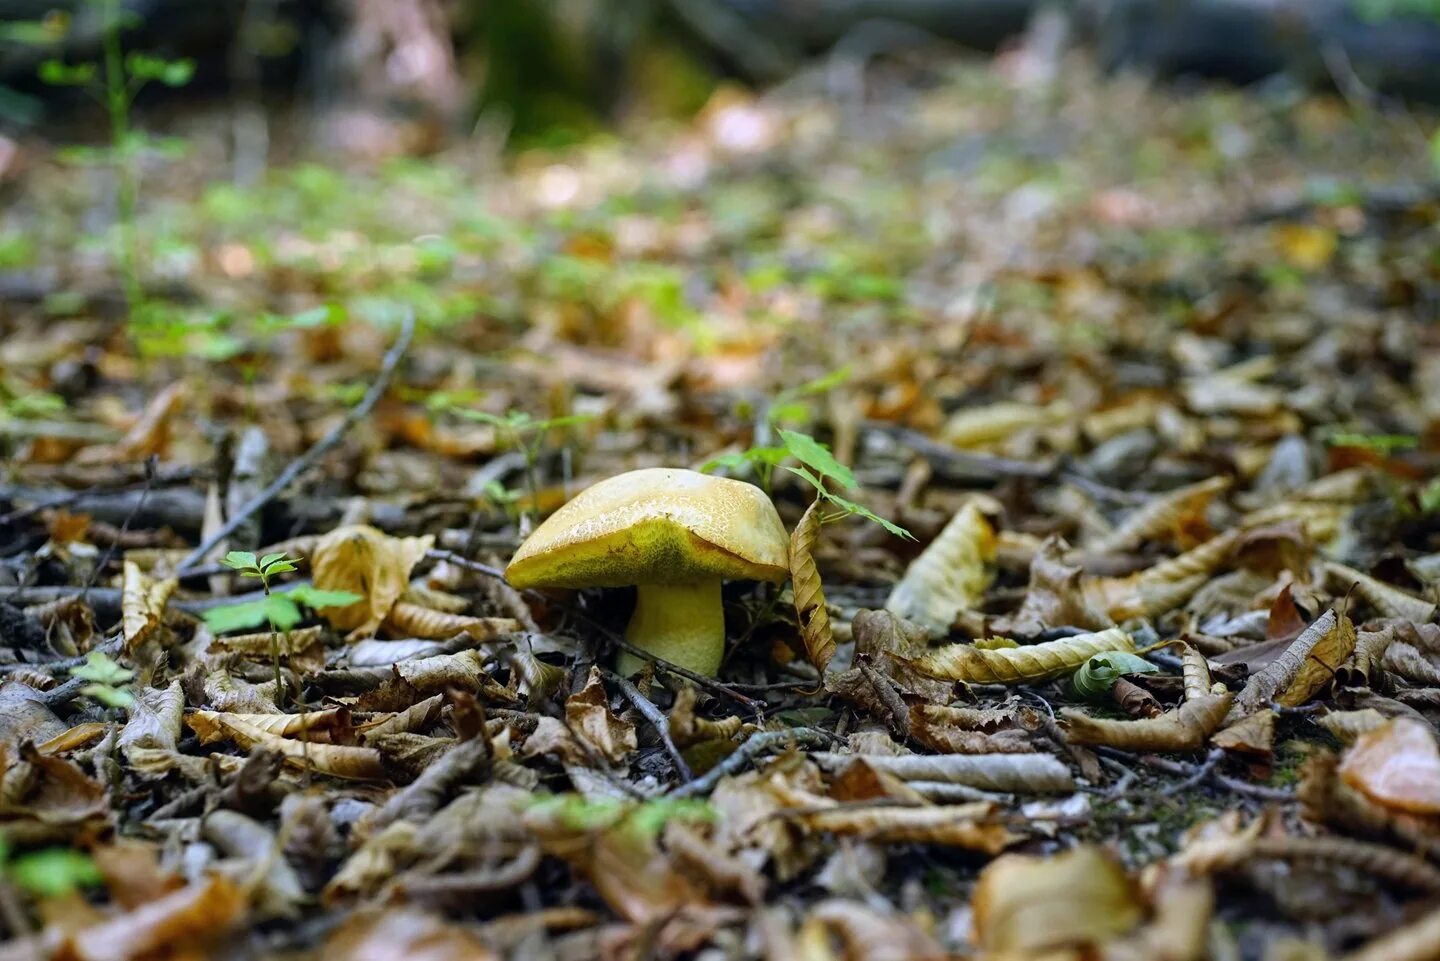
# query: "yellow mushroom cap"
(656, 526)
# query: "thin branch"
(297, 467)
(657, 720)
(757, 745)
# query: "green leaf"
(60, 74)
(241, 616)
(177, 73)
(109, 696)
(1096, 676)
(732, 461)
(810, 452)
(281, 567)
(269, 559)
(312, 596)
(98, 667)
(861, 511)
(240, 560)
(54, 872)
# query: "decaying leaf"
(1162, 515)
(687, 728)
(1183, 729)
(979, 426)
(1253, 736)
(1397, 765)
(365, 561)
(1165, 586)
(1036, 773)
(1417, 941)
(410, 620)
(974, 826)
(150, 434)
(950, 575)
(403, 932)
(1346, 726)
(336, 760)
(1054, 598)
(1078, 899)
(588, 713)
(864, 931)
(1020, 665)
(142, 604)
(1278, 676)
(1323, 659)
(192, 917)
(1232, 850)
(1366, 664)
(815, 629)
(1387, 600)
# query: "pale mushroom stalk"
(682, 623)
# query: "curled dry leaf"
(1020, 665)
(1281, 672)
(403, 932)
(336, 760)
(950, 575)
(1165, 586)
(1396, 765)
(1078, 899)
(1226, 853)
(1322, 661)
(588, 713)
(1325, 798)
(410, 620)
(1366, 664)
(1055, 597)
(192, 917)
(1253, 736)
(951, 731)
(1346, 726)
(1195, 673)
(687, 728)
(1163, 516)
(44, 798)
(1183, 729)
(982, 426)
(1387, 600)
(303, 648)
(864, 932)
(1034, 773)
(155, 719)
(365, 561)
(149, 436)
(815, 629)
(142, 604)
(976, 827)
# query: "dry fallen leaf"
(1079, 899)
(1020, 665)
(1397, 765)
(142, 604)
(403, 932)
(1183, 729)
(815, 629)
(973, 826)
(365, 561)
(588, 713)
(950, 575)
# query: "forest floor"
(1142, 663)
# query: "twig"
(758, 744)
(1179, 767)
(173, 476)
(1201, 775)
(657, 720)
(709, 683)
(104, 561)
(297, 467)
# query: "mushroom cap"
(656, 526)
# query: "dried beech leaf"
(1081, 899)
(1321, 663)
(1032, 773)
(1406, 660)
(1163, 587)
(365, 561)
(686, 728)
(1366, 664)
(815, 629)
(981, 426)
(303, 648)
(1020, 665)
(410, 621)
(1346, 726)
(192, 917)
(588, 713)
(1388, 601)
(950, 575)
(336, 760)
(142, 604)
(1397, 765)
(1253, 736)
(1163, 515)
(156, 719)
(1054, 598)
(1183, 729)
(1417, 941)
(1195, 671)
(149, 436)
(974, 826)
(403, 932)
(1280, 673)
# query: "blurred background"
(364, 79)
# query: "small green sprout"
(109, 681)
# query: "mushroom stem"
(682, 623)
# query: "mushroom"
(673, 534)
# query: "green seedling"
(115, 82)
(525, 434)
(109, 682)
(1098, 675)
(49, 872)
(281, 611)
